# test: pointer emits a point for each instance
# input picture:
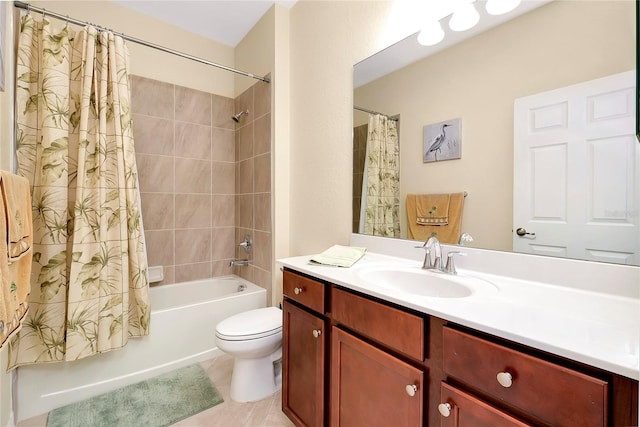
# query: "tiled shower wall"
(204, 180)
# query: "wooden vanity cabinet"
(304, 350)
(372, 383)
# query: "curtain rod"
(364, 110)
(28, 7)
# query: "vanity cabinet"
(350, 359)
(303, 350)
(373, 379)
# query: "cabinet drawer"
(549, 392)
(394, 328)
(307, 292)
(464, 409)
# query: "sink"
(416, 281)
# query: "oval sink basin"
(416, 281)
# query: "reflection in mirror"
(553, 50)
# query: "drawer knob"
(317, 333)
(505, 379)
(444, 409)
(297, 291)
(411, 389)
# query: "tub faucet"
(238, 262)
(432, 242)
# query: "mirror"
(553, 46)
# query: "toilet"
(254, 339)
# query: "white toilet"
(254, 338)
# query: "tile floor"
(264, 413)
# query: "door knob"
(317, 333)
(505, 379)
(411, 389)
(297, 291)
(523, 232)
(444, 409)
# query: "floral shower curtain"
(89, 283)
(382, 212)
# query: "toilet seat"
(250, 325)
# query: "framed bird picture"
(442, 141)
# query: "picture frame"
(442, 141)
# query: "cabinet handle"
(505, 379)
(317, 333)
(444, 409)
(411, 389)
(297, 291)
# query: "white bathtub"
(183, 321)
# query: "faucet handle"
(451, 268)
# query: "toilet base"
(254, 379)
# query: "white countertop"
(599, 329)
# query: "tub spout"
(238, 262)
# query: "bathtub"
(183, 321)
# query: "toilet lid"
(251, 324)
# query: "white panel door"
(577, 172)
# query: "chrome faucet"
(432, 242)
(238, 262)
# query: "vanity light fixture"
(499, 7)
(431, 34)
(465, 17)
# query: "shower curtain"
(382, 180)
(89, 282)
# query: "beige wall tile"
(245, 177)
(221, 268)
(156, 173)
(193, 106)
(262, 98)
(222, 109)
(244, 142)
(262, 135)
(262, 211)
(245, 102)
(262, 250)
(169, 276)
(193, 176)
(152, 97)
(224, 178)
(157, 211)
(159, 247)
(223, 244)
(222, 210)
(153, 135)
(196, 271)
(193, 141)
(223, 145)
(193, 245)
(193, 211)
(244, 211)
(262, 173)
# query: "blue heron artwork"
(441, 141)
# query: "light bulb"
(464, 18)
(431, 34)
(499, 7)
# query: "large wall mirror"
(501, 84)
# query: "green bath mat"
(156, 402)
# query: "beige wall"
(151, 63)
(327, 38)
(478, 80)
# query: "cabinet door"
(303, 366)
(370, 387)
(461, 409)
